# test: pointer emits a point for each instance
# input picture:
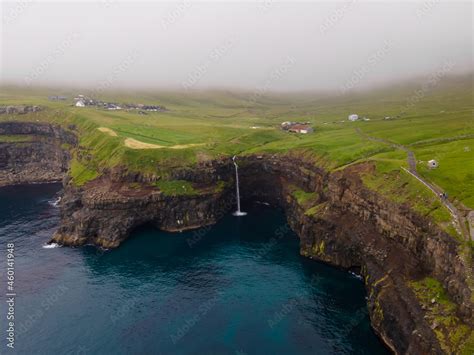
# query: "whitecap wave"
(51, 246)
(357, 276)
(55, 202)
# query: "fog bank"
(262, 46)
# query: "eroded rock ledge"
(351, 227)
(19, 110)
(33, 152)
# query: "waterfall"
(238, 212)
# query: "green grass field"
(440, 125)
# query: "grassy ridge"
(436, 126)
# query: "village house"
(301, 128)
(112, 106)
(83, 101)
(142, 107)
(296, 127)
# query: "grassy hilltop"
(433, 121)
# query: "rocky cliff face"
(350, 226)
(36, 153)
(387, 243)
(106, 213)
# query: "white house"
(353, 117)
(113, 107)
(432, 164)
(80, 103)
(301, 128)
(285, 125)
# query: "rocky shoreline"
(355, 228)
(349, 226)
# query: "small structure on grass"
(353, 117)
(297, 127)
(142, 107)
(433, 164)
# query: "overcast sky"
(262, 45)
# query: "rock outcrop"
(33, 152)
(18, 110)
(105, 214)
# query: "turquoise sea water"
(240, 287)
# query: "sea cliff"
(337, 218)
(33, 152)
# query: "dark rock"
(18, 110)
(40, 158)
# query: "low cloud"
(185, 44)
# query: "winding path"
(459, 219)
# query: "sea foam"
(51, 246)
